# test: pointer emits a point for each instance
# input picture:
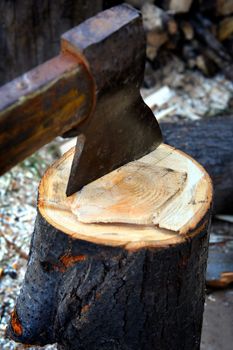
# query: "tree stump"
(121, 264)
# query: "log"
(159, 28)
(121, 264)
(209, 45)
(224, 7)
(202, 28)
(30, 31)
(176, 6)
(217, 7)
(210, 142)
(139, 3)
(225, 28)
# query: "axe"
(92, 90)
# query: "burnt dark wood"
(88, 296)
(214, 49)
(210, 142)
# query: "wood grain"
(132, 194)
(172, 213)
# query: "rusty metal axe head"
(122, 127)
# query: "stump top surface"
(156, 200)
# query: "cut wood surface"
(132, 195)
(158, 197)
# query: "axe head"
(122, 128)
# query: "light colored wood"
(179, 6)
(187, 30)
(224, 7)
(156, 200)
(225, 29)
(131, 195)
(158, 25)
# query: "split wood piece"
(159, 27)
(212, 49)
(224, 7)
(119, 285)
(225, 28)
(176, 6)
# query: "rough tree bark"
(30, 31)
(130, 272)
(210, 142)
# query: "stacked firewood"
(199, 31)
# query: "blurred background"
(188, 84)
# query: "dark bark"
(30, 31)
(87, 296)
(211, 46)
(210, 142)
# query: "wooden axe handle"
(58, 95)
(42, 104)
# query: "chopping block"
(121, 264)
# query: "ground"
(218, 321)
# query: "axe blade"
(122, 128)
